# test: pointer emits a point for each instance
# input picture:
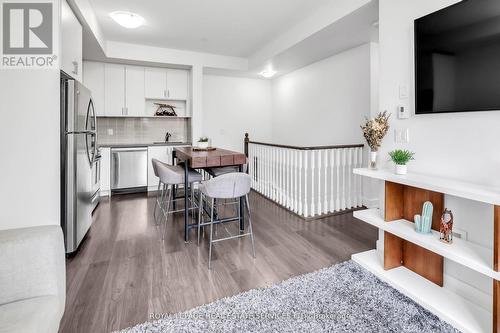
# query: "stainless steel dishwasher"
(129, 170)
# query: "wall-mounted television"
(457, 58)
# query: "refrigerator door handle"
(93, 130)
(116, 173)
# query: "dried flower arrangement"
(375, 130)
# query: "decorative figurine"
(423, 223)
(165, 110)
(446, 230)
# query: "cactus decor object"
(423, 223)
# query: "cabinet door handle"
(168, 92)
(75, 67)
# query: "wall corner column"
(197, 102)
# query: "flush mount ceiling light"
(127, 19)
(268, 73)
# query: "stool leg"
(200, 203)
(192, 199)
(211, 233)
(169, 197)
(156, 203)
(250, 225)
(174, 189)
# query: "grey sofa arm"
(32, 264)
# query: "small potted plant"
(203, 142)
(401, 158)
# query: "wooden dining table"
(202, 159)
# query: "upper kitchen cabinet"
(114, 90)
(155, 83)
(134, 91)
(166, 84)
(71, 43)
(93, 78)
(177, 84)
(124, 90)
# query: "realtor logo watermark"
(28, 31)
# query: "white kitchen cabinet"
(93, 78)
(71, 43)
(155, 83)
(163, 154)
(166, 84)
(124, 90)
(105, 172)
(134, 91)
(114, 90)
(177, 84)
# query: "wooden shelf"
(449, 306)
(475, 257)
(487, 194)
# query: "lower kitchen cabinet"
(105, 172)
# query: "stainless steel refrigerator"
(79, 161)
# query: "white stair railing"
(309, 181)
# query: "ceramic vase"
(401, 169)
(373, 160)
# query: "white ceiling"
(226, 27)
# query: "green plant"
(203, 139)
(401, 157)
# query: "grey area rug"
(341, 298)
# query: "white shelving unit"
(471, 255)
(481, 193)
(450, 307)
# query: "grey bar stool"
(219, 171)
(170, 176)
(228, 186)
(155, 163)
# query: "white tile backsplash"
(142, 130)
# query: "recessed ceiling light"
(127, 19)
(268, 73)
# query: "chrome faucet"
(168, 136)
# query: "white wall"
(29, 146)
(233, 106)
(324, 103)
(456, 145)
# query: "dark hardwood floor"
(123, 271)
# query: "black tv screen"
(457, 58)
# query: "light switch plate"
(402, 135)
(406, 135)
(403, 92)
(110, 131)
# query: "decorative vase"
(401, 169)
(203, 145)
(373, 160)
